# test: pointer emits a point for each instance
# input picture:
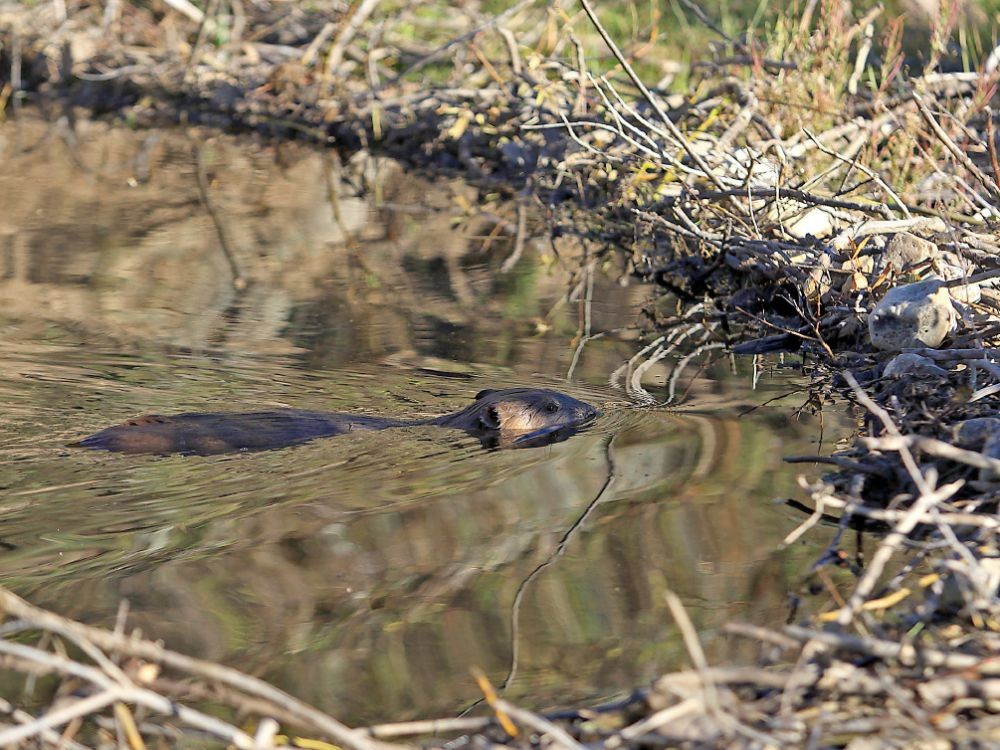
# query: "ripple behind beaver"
(511, 418)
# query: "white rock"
(912, 315)
(968, 293)
(815, 222)
(748, 164)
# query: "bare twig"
(929, 497)
(108, 641)
(984, 179)
(347, 33)
(650, 99)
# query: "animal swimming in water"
(515, 417)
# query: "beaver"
(515, 417)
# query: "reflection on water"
(356, 571)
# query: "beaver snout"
(567, 412)
(527, 410)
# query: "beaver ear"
(485, 393)
(490, 418)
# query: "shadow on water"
(365, 573)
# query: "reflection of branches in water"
(632, 371)
(239, 281)
(522, 227)
(333, 177)
(560, 548)
(585, 319)
(683, 362)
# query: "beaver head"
(521, 417)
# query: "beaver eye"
(552, 407)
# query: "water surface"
(183, 271)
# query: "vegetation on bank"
(815, 187)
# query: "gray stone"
(909, 363)
(912, 316)
(905, 250)
(974, 433)
(980, 434)
(991, 449)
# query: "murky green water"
(367, 573)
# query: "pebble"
(980, 434)
(973, 433)
(912, 316)
(815, 222)
(905, 250)
(952, 267)
(909, 363)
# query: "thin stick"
(347, 33)
(653, 102)
(60, 716)
(186, 8)
(697, 654)
(985, 180)
(112, 692)
(904, 652)
(657, 720)
(758, 633)
(934, 447)
(429, 727)
(880, 514)
(929, 497)
(855, 164)
(49, 736)
(14, 605)
(815, 518)
(540, 724)
(694, 649)
(318, 41)
(515, 57)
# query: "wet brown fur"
(517, 417)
